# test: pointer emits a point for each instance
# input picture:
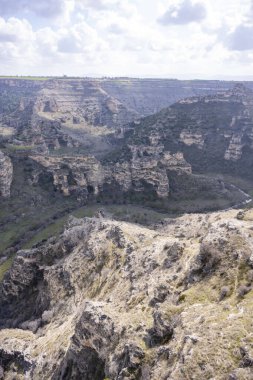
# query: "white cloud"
(79, 38)
(17, 42)
(241, 38)
(184, 12)
(123, 37)
(126, 7)
(15, 30)
(41, 8)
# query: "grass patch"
(5, 267)
(200, 293)
(24, 78)
(19, 147)
(53, 229)
(9, 236)
(129, 213)
(56, 228)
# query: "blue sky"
(162, 38)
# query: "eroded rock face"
(80, 118)
(57, 113)
(234, 150)
(50, 114)
(72, 175)
(6, 172)
(192, 138)
(115, 300)
(147, 167)
(214, 133)
(81, 101)
(84, 175)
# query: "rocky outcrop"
(189, 138)
(234, 151)
(214, 133)
(115, 300)
(71, 175)
(48, 113)
(6, 172)
(149, 171)
(81, 102)
(85, 175)
(148, 167)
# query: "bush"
(243, 290)
(224, 292)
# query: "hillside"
(213, 132)
(119, 301)
(58, 114)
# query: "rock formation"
(72, 175)
(81, 176)
(93, 116)
(147, 167)
(54, 113)
(115, 300)
(6, 172)
(214, 133)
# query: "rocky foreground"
(114, 300)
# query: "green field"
(5, 267)
(129, 213)
(24, 77)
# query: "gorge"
(123, 252)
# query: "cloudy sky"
(154, 38)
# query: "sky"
(209, 39)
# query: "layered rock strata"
(214, 133)
(83, 175)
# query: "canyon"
(123, 249)
(67, 119)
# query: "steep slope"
(215, 133)
(148, 96)
(115, 300)
(149, 175)
(25, 208)
(60, 114)
(6, 171)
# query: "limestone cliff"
(82, 102)
(214, 133)
(6, 172)
(147, 166)
(55, 113)
(160, 155)
(84, 175)
(115, 300)
(71, 175)
(147, 170)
